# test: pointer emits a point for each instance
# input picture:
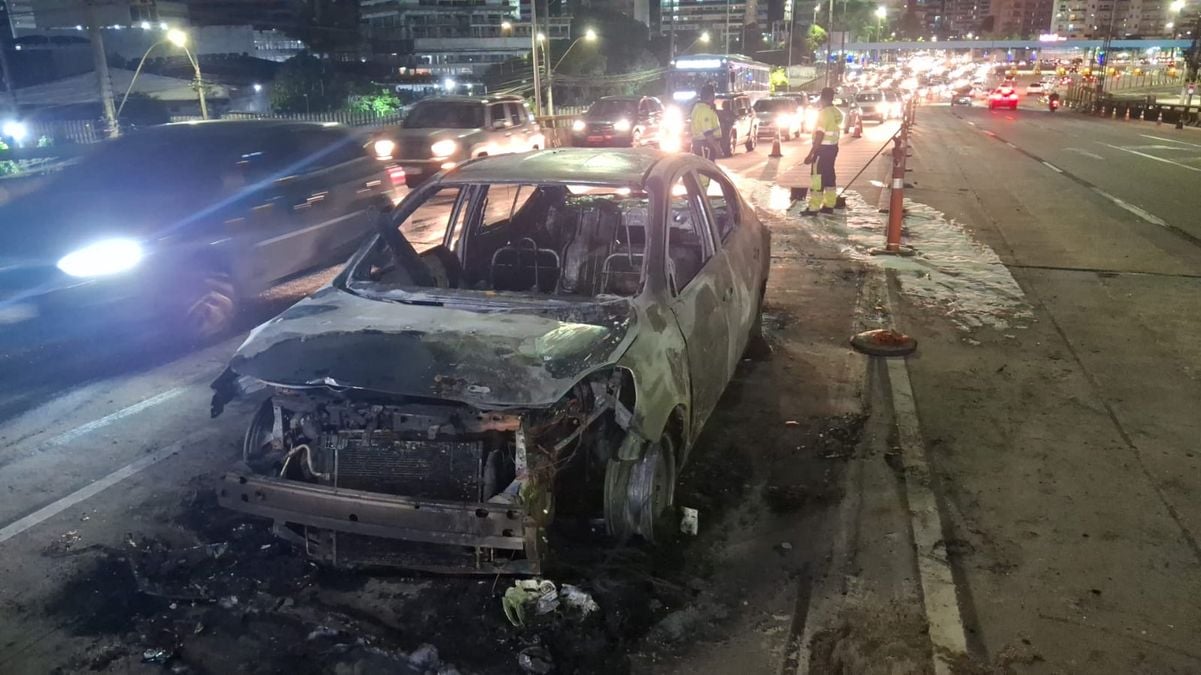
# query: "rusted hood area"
(503, 357)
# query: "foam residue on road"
(951, 271)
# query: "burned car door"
(701, 284)
(743, 247)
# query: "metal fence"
(349, 118)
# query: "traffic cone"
(1127, 117)
(858, 131)
(1159, 120)
(775, 147)
(1115, 113)
(1142, 116)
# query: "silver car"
(441, 133)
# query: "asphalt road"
(1055, 297)
(107, 452)
(1154, 168)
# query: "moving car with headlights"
(1035, 89)
(627, 121)
(739, 125)
(440, 132)
(873, 106)
(1003, 97)
(558, 354)
(782, 115)
(177, 224)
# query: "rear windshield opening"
(548, 240)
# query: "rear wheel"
(731, 143)
(639, 494)
(751, 140)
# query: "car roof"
(621, 98)
(596, 166)
(471, 99)
(217, 128)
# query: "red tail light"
(397, 175)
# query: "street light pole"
(590, 36)
(100, 62)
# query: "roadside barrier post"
(775, 145)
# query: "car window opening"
(549, 240)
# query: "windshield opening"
(572, 242)
(446, 115)
(774, 105)
(612, 108)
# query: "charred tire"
(639, 494)
(209, 305)
(752, 140)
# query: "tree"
(381, 104)
(305, 83)
(816, 38)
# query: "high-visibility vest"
(829, 121)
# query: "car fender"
(658, 363)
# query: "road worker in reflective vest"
(705, 125)
(823, 187)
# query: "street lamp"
(881, 13)
(179, 39)
(505, 25)
(588, 36)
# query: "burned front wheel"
(639, 494)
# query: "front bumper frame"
(503, 527)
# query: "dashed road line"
(1149, 217)
(89, 427)
(1171, 140)
(1150, 156)
(92, 489)
(1052, 167)
(1141, 213)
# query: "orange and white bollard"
(1159, 120)
(1127, 117)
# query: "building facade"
(1118, 18)
(723, 20)
(452, 38)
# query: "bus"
(728, 73)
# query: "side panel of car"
(702, 287)
(742, 246)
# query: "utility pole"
(829, 37)
(100, 60)
(729, 3)
(10, 93)
(534, 56)
(1113, 11)
(791, 25)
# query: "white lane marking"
(305, 230)
(1086, 153)
(1153, 219)
(972, 123)
(934, 569)
(1053, 167)
(68, 436)
(91, 489)
(1158, 159)
(1010, 144)
(1170, 140)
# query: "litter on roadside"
(530, 598)
(690, 522)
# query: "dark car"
(438, 133)
(626, 121)
(781, 115)
(176, 224)
(739, 125)
(561, 349)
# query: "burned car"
(564, 339)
